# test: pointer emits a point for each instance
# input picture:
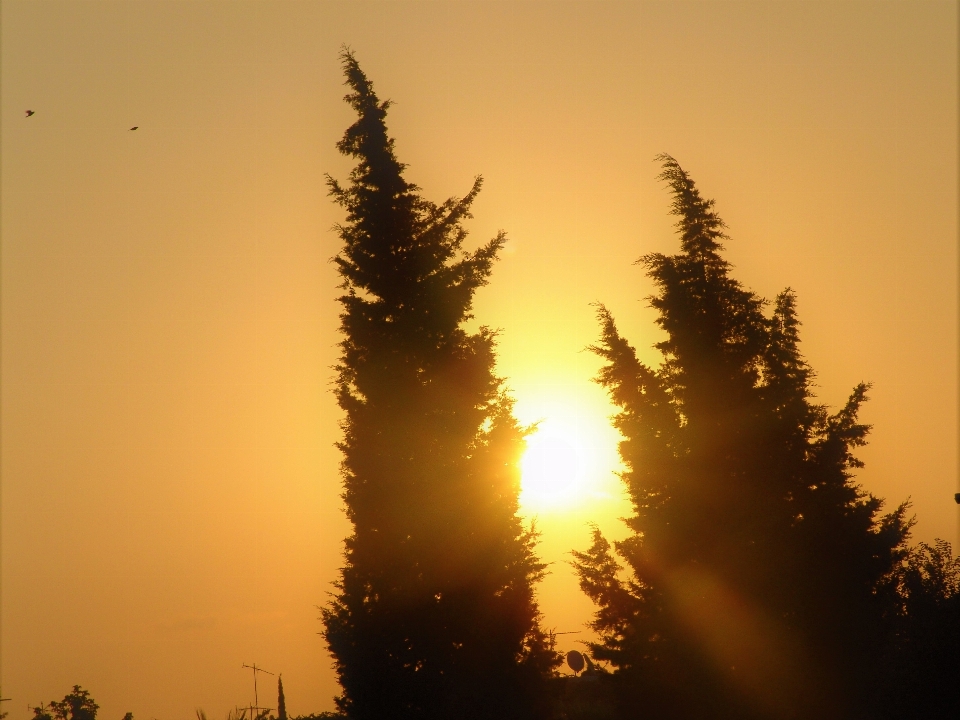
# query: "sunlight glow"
(567, 464)
(551, 465)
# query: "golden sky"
(170, 503)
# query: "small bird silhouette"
(134, 127)
(30, 112)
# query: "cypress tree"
(758, 573)
(434, 614)
(281, 700)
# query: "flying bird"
(134, 127)
(30, 112)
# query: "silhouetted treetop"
(402, 260)
(715, 329)
(76, 705)
(700, 228)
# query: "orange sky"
(170, 503)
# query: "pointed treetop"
(367, 138)
(701, 229)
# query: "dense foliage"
(922, 657)
(759, 579)
(434, 614)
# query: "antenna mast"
(256, 699)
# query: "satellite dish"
(575, 661)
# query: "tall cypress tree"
(434, 614)
(281, 700)
(757, 573)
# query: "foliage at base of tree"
(587, 697)
(922, 657)
(434, 614)
(759, 581)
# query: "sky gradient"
(170, 496)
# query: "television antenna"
(256, 699)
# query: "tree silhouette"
(281, 700)
(434, 615)
(923, 656)
(758, 573)
(76, 705)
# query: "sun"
(567, 463)
(551, 466)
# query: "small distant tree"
(758, 574)
(76, 705)
(434, 614)
(281, 700)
